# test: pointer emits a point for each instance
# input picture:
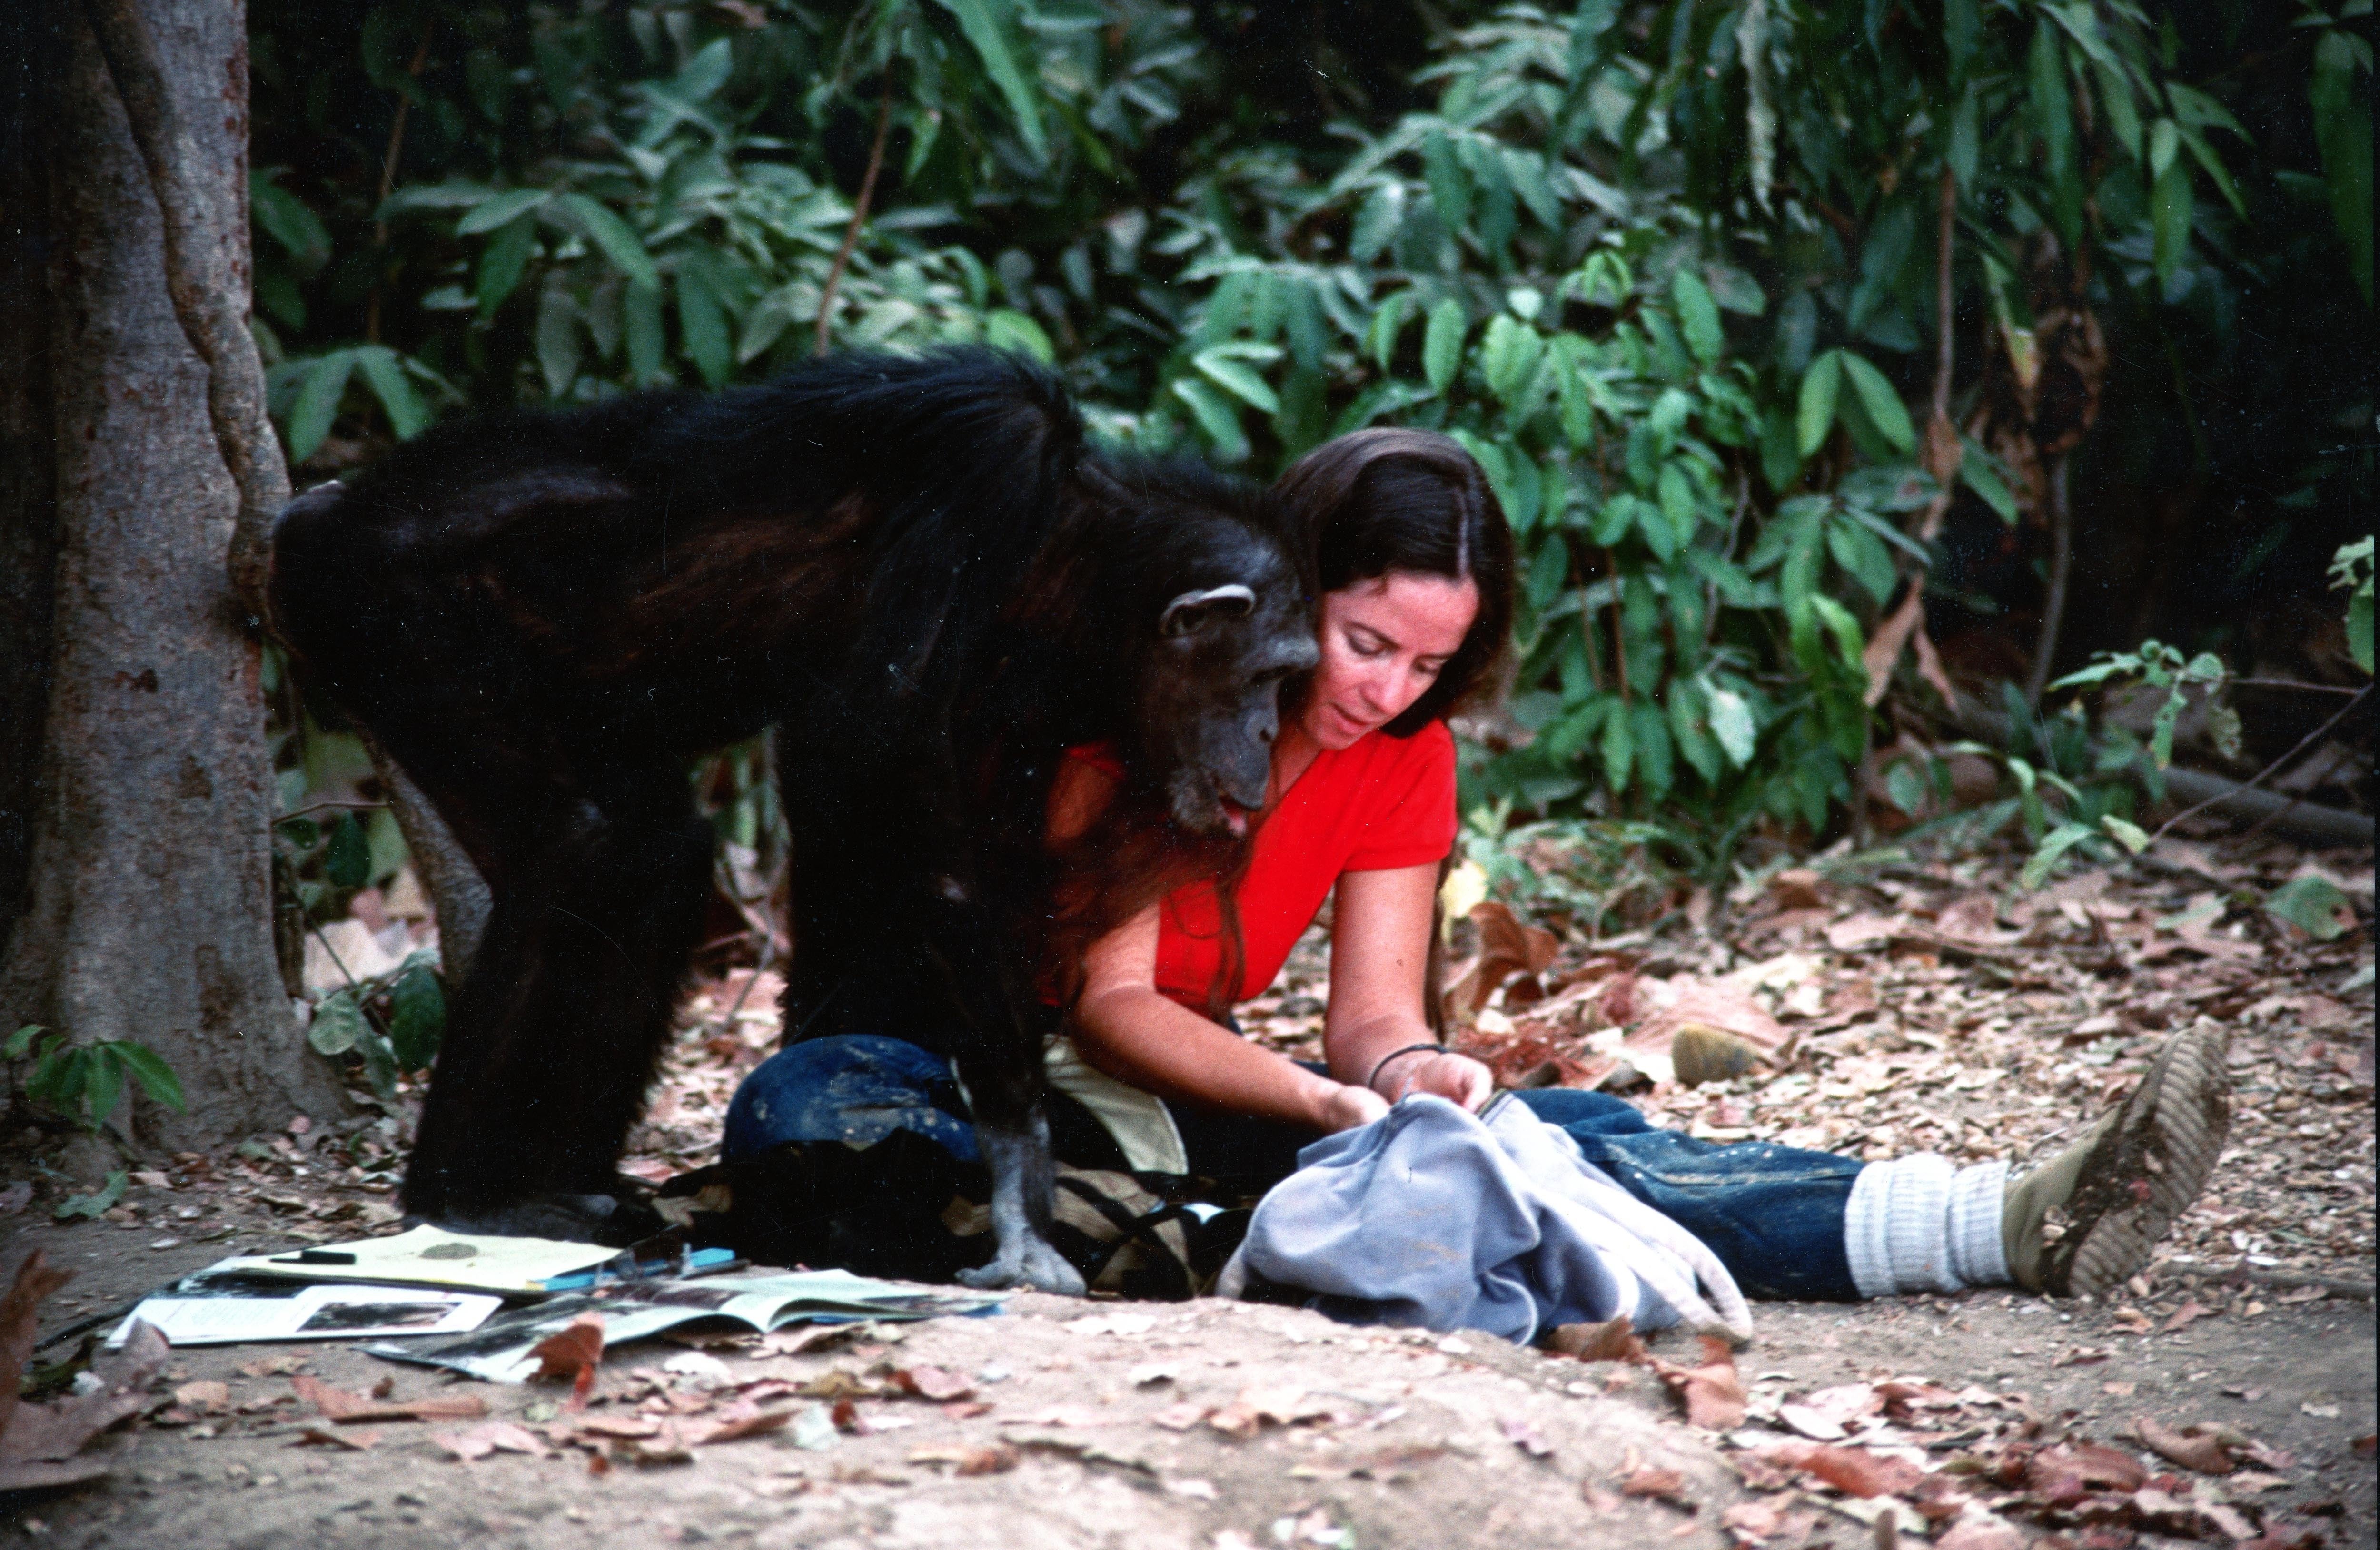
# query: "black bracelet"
(1433, 1047)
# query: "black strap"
(1433, 1046)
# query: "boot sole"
(2147, 1170)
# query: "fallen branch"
(2257, 1275)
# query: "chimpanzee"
(916, 569)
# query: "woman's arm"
(1380, 958)
(1127, 1029)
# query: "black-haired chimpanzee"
(918, 571)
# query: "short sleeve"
(1412, 802)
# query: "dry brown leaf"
(1182, 1417)
(344, 1408)
(1982, 1533)
(624, 1427)
(991, 1458)
(19, 1324)
(325, 1436)
(1668, 1486)
(2193, 1449)
(2072, 1470)
(1612, 1340)
(207, 1396)
(932, 1383)
(1687, 1000)
(39, 1436)
(2188, 1313)
(740, 1421)
(1853, 1471)
(1712, 1393)
(574, 1352)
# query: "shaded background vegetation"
(1675, 272)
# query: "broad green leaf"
(981, 25)
(2314, 905)
(417, 1019)
(1450, 185)
(1441, 346)
(1619, 749)
(1685, 726)
(348, 864)
(21, 1041)
(289, 221)
(1698, 316)
(1843, 627)
(2169, 216)
(337, 1023)
(1383, 212)
(702, 323)
(1885, 410)
(1215, 416)
(1677, 491)
(2164, 142)
(1731, 723)
(2134, 838)
(558, 351)
(1006, 329)
(2064, 838)
(2358, 628)
(619, 243)
(1380, 339)
(1819, 385)
(501, 263)
(640, 310)
(501, 210)
(1907, 791)
(156, 1077)
(384, 373)
(2342, 127)
(104, 1089)
(318, 403)
(1975, 471)
(1650, 731)
(1237, 378)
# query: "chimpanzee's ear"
(1191, 610)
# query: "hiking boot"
(1699, 1053)
(2087, 1219)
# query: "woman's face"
(1384, 643)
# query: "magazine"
(311, 1311)
(428, 1256)
(499, 1350)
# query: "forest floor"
(2227, 1396)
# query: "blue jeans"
(1774, 1214)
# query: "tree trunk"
(150, 912)
(28, 54)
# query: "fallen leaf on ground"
(615, 1426)
(740, 1421)
(1183, 1416)
(1712, 1393)
(1668, 1486)
(932, 1383)
(1853, 1471)
(346, 1409)
(325, 1436)
(206, 1396)
(19, 1324)
(1523, 1435)
(2187, 1315)
(2193, 1447)
(991, 1458)
(44, 1443)
(576, 1353)
(1982, 1532)
(1612, 1340)
(2071, 1469)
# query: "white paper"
(428, 1256)
(312, 1312)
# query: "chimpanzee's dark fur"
(918, 571)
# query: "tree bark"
(150, 914)
(28, 54)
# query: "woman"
(1415, 566)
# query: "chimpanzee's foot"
(613, 1222)
(1021, 1180)
(1026, 1260)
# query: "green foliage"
(2350, 569)
(85, 1081)
(1668, 269)
(390, 1023)
(2162, 666)
(2314, 905)
(98, 1202)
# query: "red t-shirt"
(1384, 803)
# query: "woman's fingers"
(1456, 1078)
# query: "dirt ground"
(1918, 1018)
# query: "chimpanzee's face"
(1210, 691)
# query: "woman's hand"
(1456, 1078)
(1349, 1107)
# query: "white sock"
(1918, 1224)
